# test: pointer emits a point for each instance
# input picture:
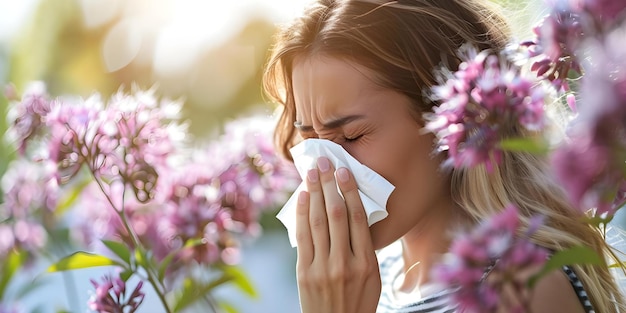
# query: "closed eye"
(352, 139)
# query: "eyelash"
(353, 139)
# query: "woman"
(354, 72)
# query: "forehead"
(325, 86)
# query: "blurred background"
(208, 53)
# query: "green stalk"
(122, 214)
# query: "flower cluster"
(491, 256)
(110, 296)
(554, 48)
(124, 141)
(26, 118)
(223, 189)
(560, 36)
(488, 100)
(216, 192)
(481, 104)
(139, 185)
(30, 194)
(590, 165)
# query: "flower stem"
(158, 288)
(212, 303)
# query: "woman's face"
(339, 101)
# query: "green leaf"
(120, 249)
(81, 260)
(141, 259)
(227, 307)
(70, 197)
(531, 145)
(125, 275)
(576, 255)
(168, 259)
(193, 291)
(164, 264)
(241, 280)
(9, 267)
(188, 295)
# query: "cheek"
(396, 158)
(410, 166)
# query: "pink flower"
(74, 136)
(590, 164)
(30, 197)
(555, 47)
(559, 37)
(606, 11)
(29, 187)
(481, 262)
(479, 105)
(110, 296)
(26, 117)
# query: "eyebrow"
(329, 125)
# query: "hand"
(337, 267)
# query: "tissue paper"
(373, 188)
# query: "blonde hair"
(403, 42)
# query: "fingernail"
(312, 175)
(342, 174)
(323, 164)
(302, 197)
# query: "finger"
(303, 231)
(335, 209)
(317, 215)
(360, 237)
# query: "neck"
(424, 244)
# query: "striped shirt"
(436, 300)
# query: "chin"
(381, 236)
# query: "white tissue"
(373, 188)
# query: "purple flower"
(126, 140)
(7, 240)
(481, 104)
(30, 197)
(558, 38)
(248, 143)
(606, 11)
(96, 218)
(221, 192)
(26, 117)
(75, 133)
(110, 296)
(210, 197)
(481, 262)
(590, 165)
(28, 188)
(146, 134)
(196, 209)
(556, 48)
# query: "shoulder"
(556, 292)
